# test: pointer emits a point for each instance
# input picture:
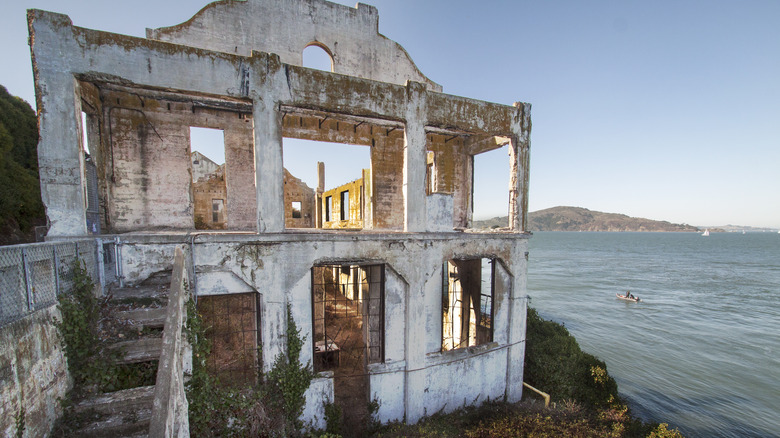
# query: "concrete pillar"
(60, 156)
(318, 194)
(240, 176)
(368, 201)
(416, 338)
(415, 212)
(269, 167)
(519, 145)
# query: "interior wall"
(147, 161)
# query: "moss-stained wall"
(33, 373)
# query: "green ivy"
(269, 408)
(20, 423)
(289, 379)
(78, 328)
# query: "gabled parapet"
(286, 27)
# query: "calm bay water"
(702, 350)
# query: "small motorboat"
(628, 298)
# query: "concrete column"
(415, 212)
(240, 176)
(318, 194)
(60, 156)
(416, 338)
(519, 145)
(269, 167)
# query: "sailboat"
(706, 233)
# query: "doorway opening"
(348, 317)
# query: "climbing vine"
(271, 407)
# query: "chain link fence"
(33, 275)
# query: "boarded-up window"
(232, 326)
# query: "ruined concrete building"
(408, 307)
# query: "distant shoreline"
(578, 219)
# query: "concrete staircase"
(135, 331)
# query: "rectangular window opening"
(296, 209)
(319, 170)
(208, 166)
(344, 207)
(85, 132)
(490, 189)
(467, 303)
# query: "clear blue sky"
(668, 110)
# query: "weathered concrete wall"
(279, 267)
(205, 192)
(258, 86)
(202, 166)
(33, 373)
(150, 184)
(286, 27)
(296, 190)
(353, 211)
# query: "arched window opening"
(317, 56)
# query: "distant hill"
(582, 219)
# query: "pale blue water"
(702, 350)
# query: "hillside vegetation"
(585, 399)
(20, 196)
(582, 219)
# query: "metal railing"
(32, 276)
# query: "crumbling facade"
(438, 311)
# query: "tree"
(20, 193)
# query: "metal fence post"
(101, 266)
(27, 281)
(118, 261)
(56, 271)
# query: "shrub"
(554, 363)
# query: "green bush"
(555, 364)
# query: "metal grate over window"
(467, 303)
(232, 326)
(348, 316)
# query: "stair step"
(158, 278)
(125, 424)
(153, 317)
(124, 401)
(152, 294)
(139, 350)
(117, 414)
